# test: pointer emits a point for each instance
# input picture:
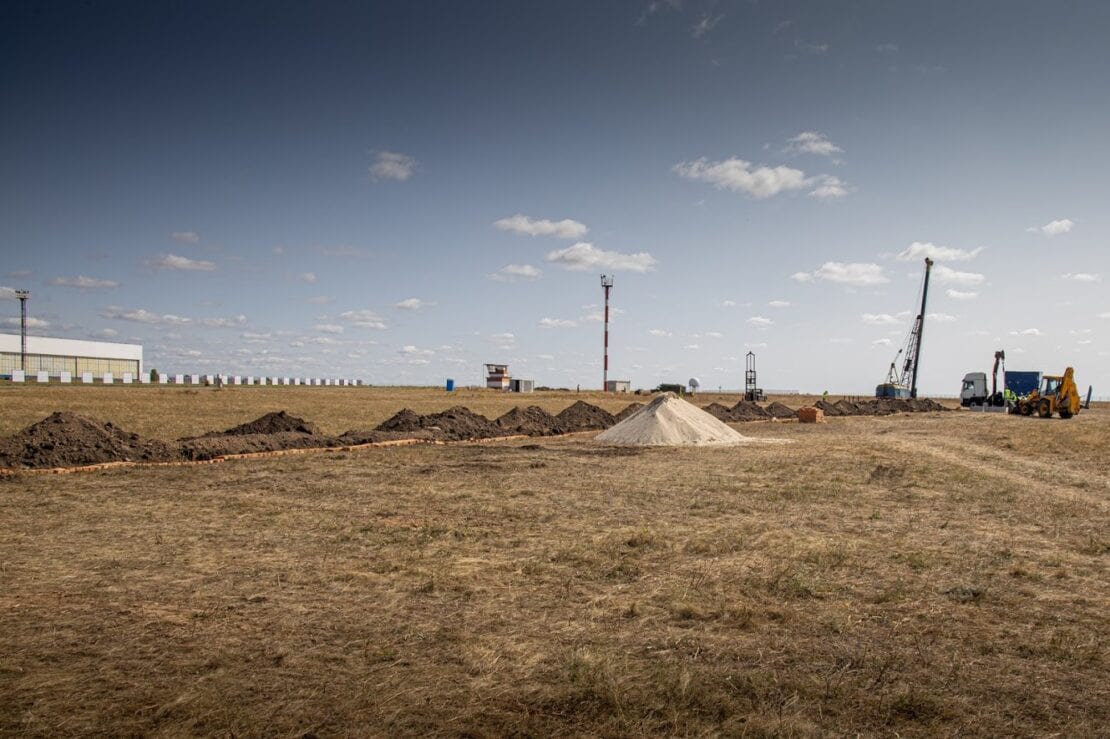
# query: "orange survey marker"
(811, 415)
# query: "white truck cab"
(974, 391)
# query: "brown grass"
(911, 575)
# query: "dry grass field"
(914, 575)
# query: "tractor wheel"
(1044, 410)
(1065, 413)
(1026, 409)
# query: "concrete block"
(127, 378)
(236, 380)
(163, 379)
(194, 379)
(108, 379)
(179, 379)
(144, 378)
(19, 376)
(87, 378)
(66, 377)
(296, 381)
(250, 379)
(41, 376)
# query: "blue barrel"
(450, 385)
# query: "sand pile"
(670, 421)
(66, 439)
(530, 421)
(278, 422)
(585, 417)
(780, 410)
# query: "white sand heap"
(670, 421)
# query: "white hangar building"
(56, 356)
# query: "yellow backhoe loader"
(1057, 395)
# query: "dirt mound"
(718, 411)
(403, 420)
(848, 408)
(585, 417)
(66, 439)
(212, 446)
(828, 408)
(780, 410)
(628, 411)
(278, 422)
(461, 423)
(747, 410)
(532, 421)
(670, 421)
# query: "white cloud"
(412, 351)
(319, 300)
(692, 347)
(142, 315)
(1027, 332)
(556, 323)
(759, 321)
(309, 277)
(522, 224)
(412, 304)
(948, 276)
(829, 187)
(1053, 228)
(503, 340)
(172, 261)
(779, 304)
(32, 322)
(1082, 277)
(728, 303)
(714, 335)
(584, 256)
(514, 272)
(879, 319)
(940, 317)
(659, 332)
(845, 273)
(185, 237)
(812, 142)
(923, 249)
(391, 165)
(238, 320)
(84, 283)
(960, 294)
(881, 342)
(329, 328)
(1104, 315)
(757, 345)
(810, 48)
(7, 293)
(364, 319)
(739, 175)
(107, 333)
(255, 338)
(705, 25)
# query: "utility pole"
(23, 295)
(606, 285)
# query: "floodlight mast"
(23, 295)
(606, 285)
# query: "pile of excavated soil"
(848, 408)
(828, 408)
(585, 417)
(530, 421)
(402, 421)
(780, 410)
(212, 446)
(718, 411)
(628, 411)
(670, 421)
(747, 410)
(278, 422)
(453, 424)
(66, 439)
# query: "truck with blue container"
(1022, 382)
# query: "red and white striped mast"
(607, 285)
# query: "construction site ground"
(935, 573)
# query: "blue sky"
(403, 191)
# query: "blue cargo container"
(1022, 383)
